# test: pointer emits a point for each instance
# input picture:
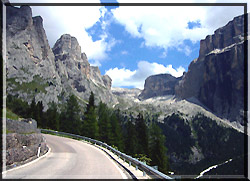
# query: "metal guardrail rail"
(153, 173)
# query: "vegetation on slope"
(170, 145)
(128, 134)
(215, 145)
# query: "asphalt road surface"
(70, 159)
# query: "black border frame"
(245, 114)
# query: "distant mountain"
(34, 70)
(216, 78)
(159, 85)
(196, 111)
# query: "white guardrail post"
(138, 164)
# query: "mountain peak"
(67, 44)
(159, 85)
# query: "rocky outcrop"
(230, 34)
(76, 72)
(30, 61)
(216, 78)
(107, 81)
(159, 85)
(24, 126)
(49, 75)
(22, 142)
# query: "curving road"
(70, 158)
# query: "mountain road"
(70, 159)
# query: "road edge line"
(29, 163)
(127, 170)
(113, 159)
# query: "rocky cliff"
(23, 140)
(214, 80)
(49, 75)
(30, 61)
(77, 74)
(159, 85)
(216, 77)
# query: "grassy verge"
(11, 115)
(58, 134)
(36, 85)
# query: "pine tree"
(70, 116)
(116, 134)
(104, 123)
(73, 115)
(52, 117)
(90, 125)
(131, 139)
(91, 101)
(63, 126)
(142, 135)
(32, 109)
(157, 148)
(38, 114)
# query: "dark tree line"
(100, 122)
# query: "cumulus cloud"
(158, 26)
(167, 26)
(74, 20)
(124, 52)
(136, 78)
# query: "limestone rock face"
(222, 88)
(216, 78)
(159, 85)
(23, 141)
(107, 81)
(76, 73)
(24, 126)
(230, 34)
(49, 75)
(30, 61)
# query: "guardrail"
(139, 165)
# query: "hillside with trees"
(133, 137)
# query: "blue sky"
(130, 43)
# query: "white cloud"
(167, 26)
(124, 52)
(74, 20)
(136, 78)
(163, 55)
(185, 49)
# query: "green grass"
(58, 134)
(36, 84)
(11, 115)
(7, 131)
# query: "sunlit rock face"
(159, 85)
(216, 78)
(34, 70)
(76, 72)
(30, 61)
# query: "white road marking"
(121, 172)
(29, 163)
(38, 151)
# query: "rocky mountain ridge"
(216, 77)
(213, 84)
(49, 75)
(36, 70)
(159, 85)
